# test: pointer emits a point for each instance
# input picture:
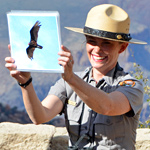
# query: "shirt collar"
(109, 77)
(112, 74)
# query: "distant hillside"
(72, 13)
(8, 114)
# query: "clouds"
(147, 47)
(43, 59)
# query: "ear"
(123, 47)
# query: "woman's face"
(103, 54)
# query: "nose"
(97, 48)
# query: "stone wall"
(143, 139)
(15, 136)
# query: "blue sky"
(45, 59)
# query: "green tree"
(138, 74)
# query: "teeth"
(98, 58)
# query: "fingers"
(66, 52)
(21, 77)
(66, 60)
(65, 49)
(9, 47)
(9, 60)
(14, 73)
(66, 56)
(10, 64)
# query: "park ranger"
(101, 104)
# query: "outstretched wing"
(34, 31)
(30, 51)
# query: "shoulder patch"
(127, 83)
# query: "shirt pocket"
(111, 127)
(73, 115)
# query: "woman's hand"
(66, 60)
(21, 77)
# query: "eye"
(106, 44)
(91, 41)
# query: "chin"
(98, 67)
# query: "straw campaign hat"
(109, 22)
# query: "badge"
(127, 83)
(72, 103)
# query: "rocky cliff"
(14, 136)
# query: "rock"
(14, 136)
(60, 139)
(143, 139)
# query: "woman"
(101, 104)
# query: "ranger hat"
(108, 21)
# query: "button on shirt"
(105, 132)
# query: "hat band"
(111, 35)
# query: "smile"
(98, 58)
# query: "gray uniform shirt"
(105, 132)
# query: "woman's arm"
(37, 111)
(115, 103)
(40, 112)
(111, 104)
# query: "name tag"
(72, 103)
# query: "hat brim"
(80, 30)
